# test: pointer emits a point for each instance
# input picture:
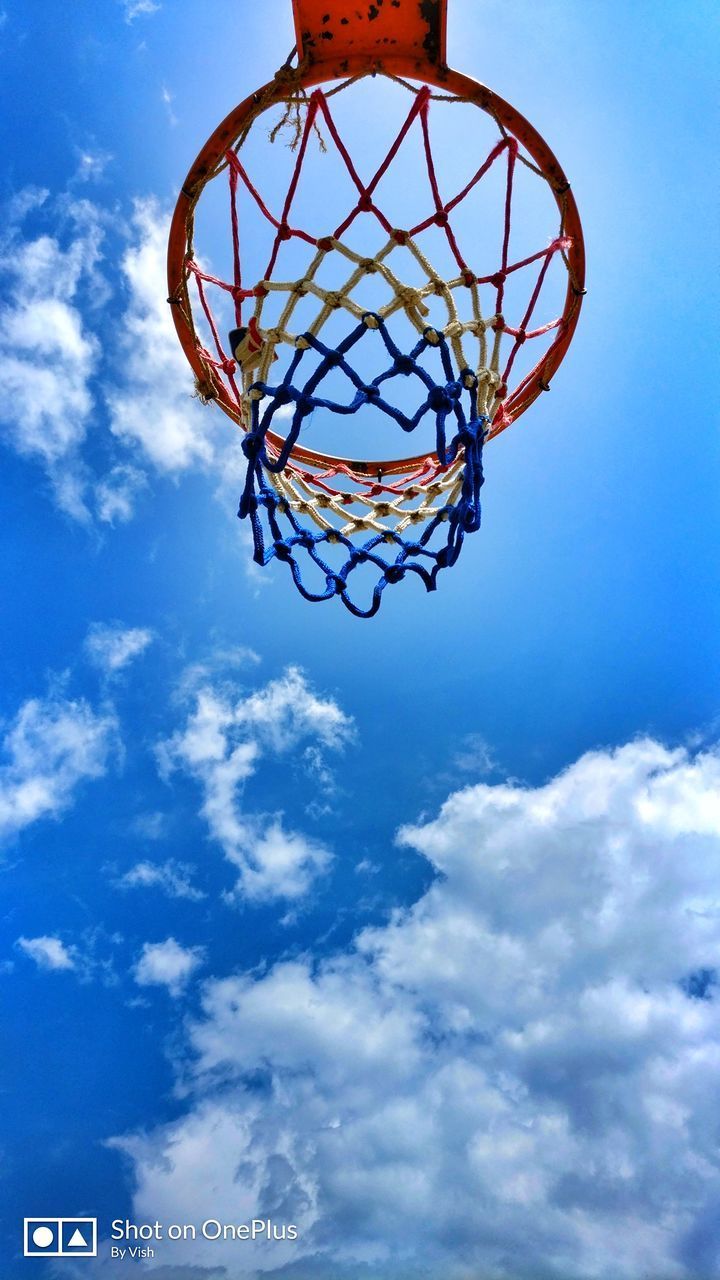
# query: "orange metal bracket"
(330, 31)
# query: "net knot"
(497, 281)
(325, 244)
(441, 219)
(251, 444)
(411, 299)
(468, 434)
(404, 364)
(365, 203)
(443, 398)
(400, 237)
(395, 573)
(286, 74)
(284, 232)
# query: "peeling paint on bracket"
(334, 31)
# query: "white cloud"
(223, 740)
(287, 710)
(67, 358)
(90, 958)
(172, 878)
(137, 8)
(52, 746)
(47, 354)
(475, 756)
(281, 864)
(511, 1078)
(116, 493)
(112, 647)
(167, 964)
(168, 98)
(48, 952)
(153, 404)
(92, 163)
(150, 826)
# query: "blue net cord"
(459, 434)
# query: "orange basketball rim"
(345, 40)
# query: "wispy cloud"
(116, 493)
(152, 404)
(71, 364)
(91, 164)
(139, 8)
(47, 353)
(170, 877)
(223, 740)
(168, 99)
(91, 957)
(51, 747)
(113, 647)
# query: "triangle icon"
(77, 1240)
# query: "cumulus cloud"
(54, 326)
(47, 952)
(167, 964)
(47, 353)
(221, 745)
(51, 747)
(70, 364)
(152, 405)
(170, 877)
(112, 647)
(515, 1077)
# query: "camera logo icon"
(60, 1238)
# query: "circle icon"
(42, 1237)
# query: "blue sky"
(386, 929)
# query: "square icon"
(60, 1237)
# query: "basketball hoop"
(443, 351)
